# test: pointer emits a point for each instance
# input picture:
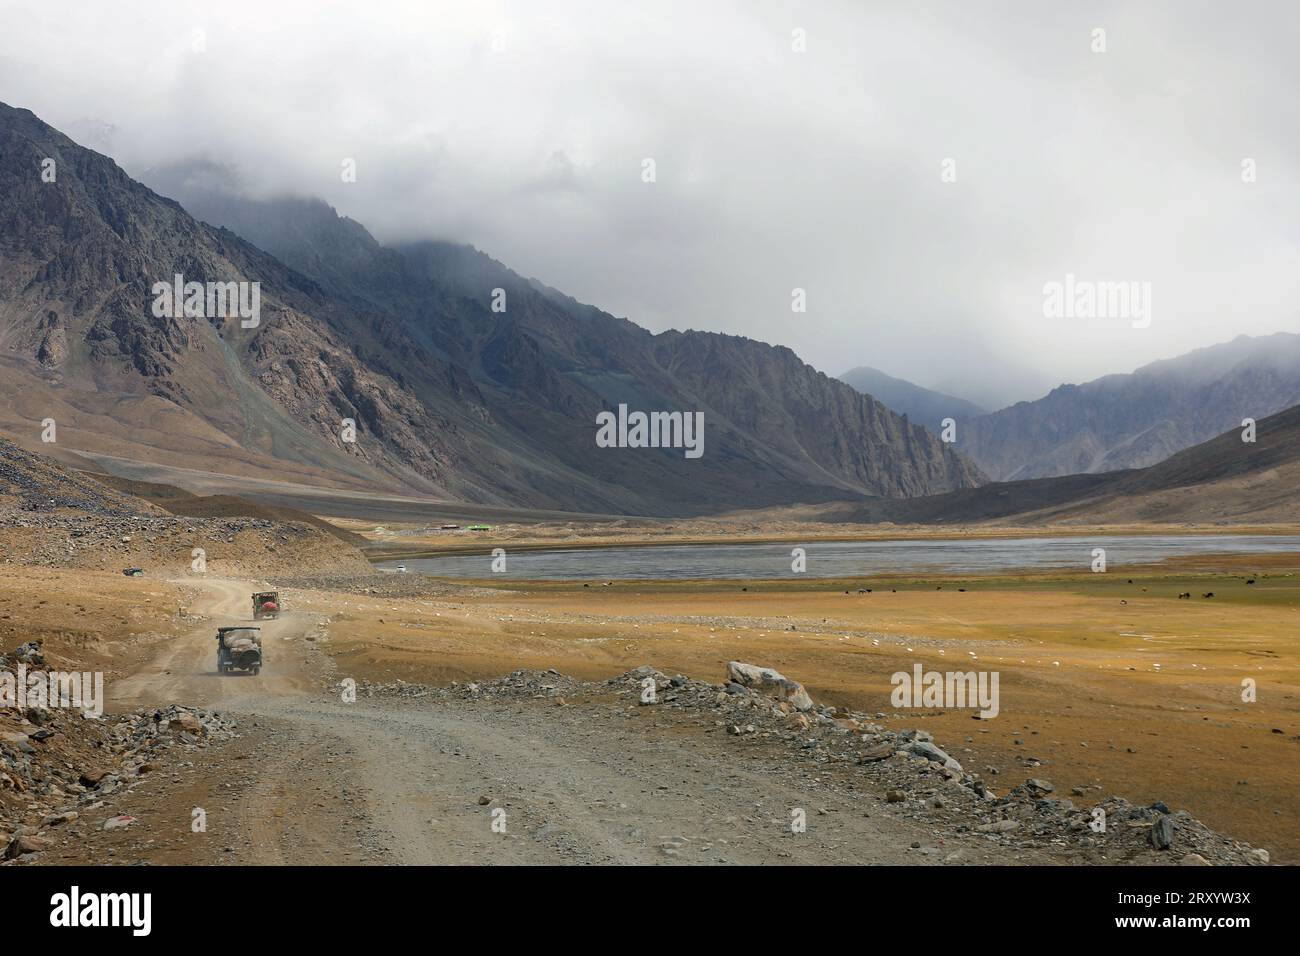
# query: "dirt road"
(317, 781)
(186, 672)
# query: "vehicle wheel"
(257, 670)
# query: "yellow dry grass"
(1112, 685)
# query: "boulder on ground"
(1161, 834)
(881, 751)
(24, 844)
(999, 826)
(769, 682)
(639, 674)
(187, 723)
(923, 748)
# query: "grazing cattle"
(1208, 594)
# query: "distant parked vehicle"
(480, 527)
(401, 569)
(266, 604)
(450, 527)
(133, 572)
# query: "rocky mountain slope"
(922, 405)
(1136, 420)
(546, 365)
(1222, 481)
(79, 257)
(449, 397)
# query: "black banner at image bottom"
(139, 905)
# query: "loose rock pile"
(523, 683)
(59, 770)
(918, 778)
(33, 483)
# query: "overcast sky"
(522, 128)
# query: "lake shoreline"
(383, 550)
(857, 563)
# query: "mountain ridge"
(1224, 480)
(1136, 419)
(449, 397)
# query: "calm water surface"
(842, 559)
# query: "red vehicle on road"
(266, 604)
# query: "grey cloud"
(521, 128)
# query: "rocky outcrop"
(767, 681)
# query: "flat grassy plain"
(1108, 682)
(1103, 683)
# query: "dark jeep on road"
(239, 648)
